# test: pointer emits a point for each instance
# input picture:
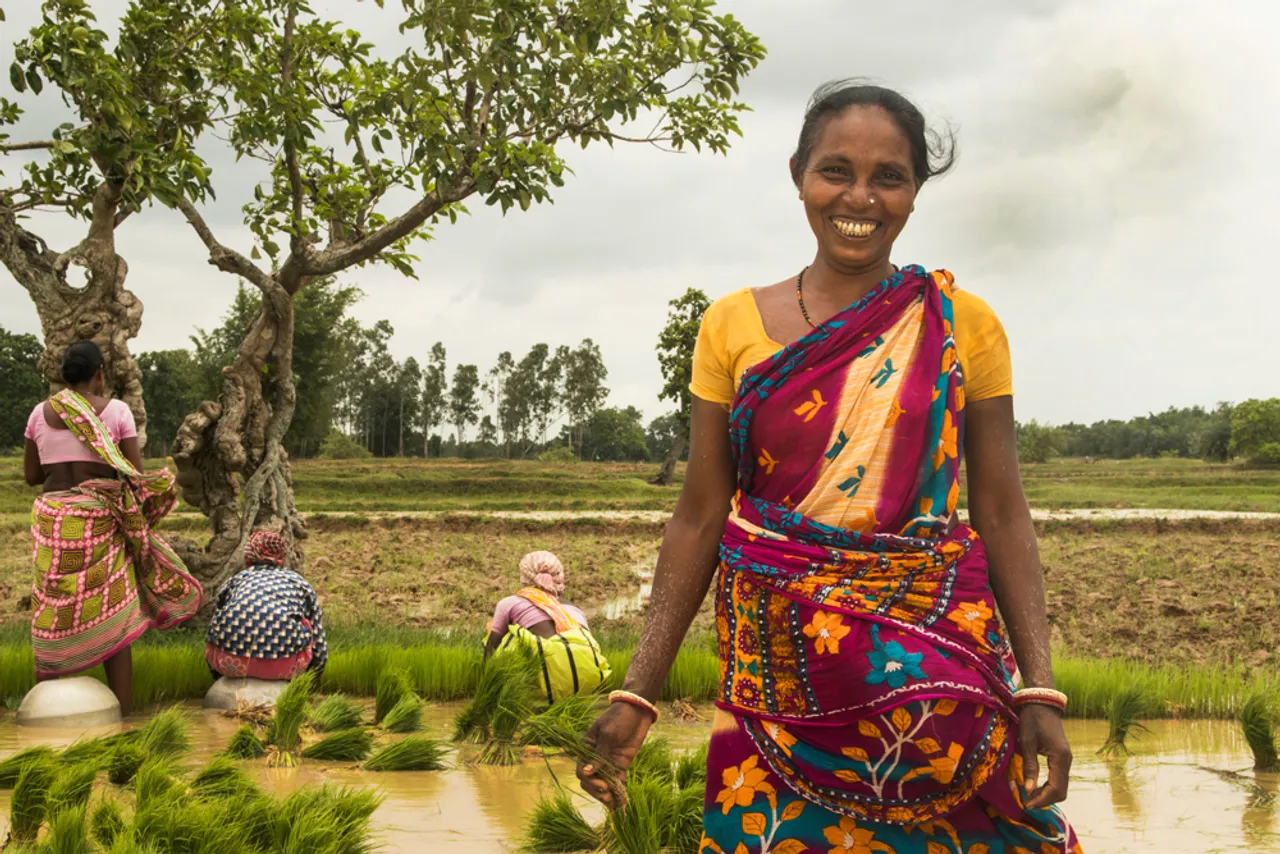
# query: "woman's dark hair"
(932, 152)
(80, 362)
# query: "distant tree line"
(356, 399)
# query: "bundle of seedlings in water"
(285, 731)
(68, 832)
(570, 743)
(405, 716)
(123, 763)
(246, 744)
(106, 825)
(1258, 719)
(415, 753)
(505, 723)
(640, 826)
(556, 827)
(165, 734)
(1123, 714)
(336, 712)
(509, 679)
(71, 788)
(155, 780)
(393, 686)
(652, 761)
(691, 769)
(11, 769)
(350, 745)
(94, 751)
(223, 778)
(314, 819)
(30, 800)
(573, 714)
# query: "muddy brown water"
(1159, 800)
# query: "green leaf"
(16, 79)
(33, 79)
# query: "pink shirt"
(525, 614)
(62, 446)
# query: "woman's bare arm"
(31, 468)
(129, 447)
(998, 512)
(690, 550)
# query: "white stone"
(227, 693)
(72, 702)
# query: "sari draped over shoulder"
(866, 681)
(102, 575)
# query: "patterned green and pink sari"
(103, 576)
(865, 678)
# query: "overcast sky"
(1114, 202)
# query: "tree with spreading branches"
(675, 357)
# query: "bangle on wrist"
(1040, 697)
(632, 699)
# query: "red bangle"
(634, 700)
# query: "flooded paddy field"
(1187, 788)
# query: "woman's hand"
(615, 736)
(1041, 734)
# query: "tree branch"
(35, 145)
(297, 241)
(335, 260)
(227, 260)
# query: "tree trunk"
(400, 450)
(103, 311)
(668, 471)
(230, 455)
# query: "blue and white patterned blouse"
(264, 612)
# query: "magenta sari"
(866, 682)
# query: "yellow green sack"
(571, 662)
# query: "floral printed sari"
(866, 682)
(103, 577)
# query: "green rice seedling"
(11, 768)
(166, 733)
(509, 682)
(351, 745)
(415, 753)
(68, 833)
(154, 781)
(170, 672)
(640, 827)
(329, 818)
(1257, 719)
(17, 669)
(573, 714)
(30, 800)
(691, 769)
(683, 828)
(652, 762)
(107, 823)
(1123, 716)
(246, 744)
(556, 736)
(393, 686)
(556, 827)
(335, 713)
(72, 787)
(176, 824)
(93, 750)
(124, 762)
(223, 778)
(285, 730)
(405, 716)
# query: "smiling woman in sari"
(870, 698)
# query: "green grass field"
(389, 485)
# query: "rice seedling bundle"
(107, 823)
(68, 832)
(326, 818)
(572, 714)
(285, 730)
(393, 686)
(223, 778)
(556, 827)
(166, 733)
(30, 800)
(405, 716)
(1123, 716)
(350, 745)
(246, 744)
(415, 753)
(93, 750)
(509, 682)
(683, 829)
(652, 762)
(1257, 719)
(554, 735)
(11, 768)
(335, 713)
(640, 826)
(71, 788)
(154, 781)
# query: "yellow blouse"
(733, 340)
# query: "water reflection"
(1124, 794)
